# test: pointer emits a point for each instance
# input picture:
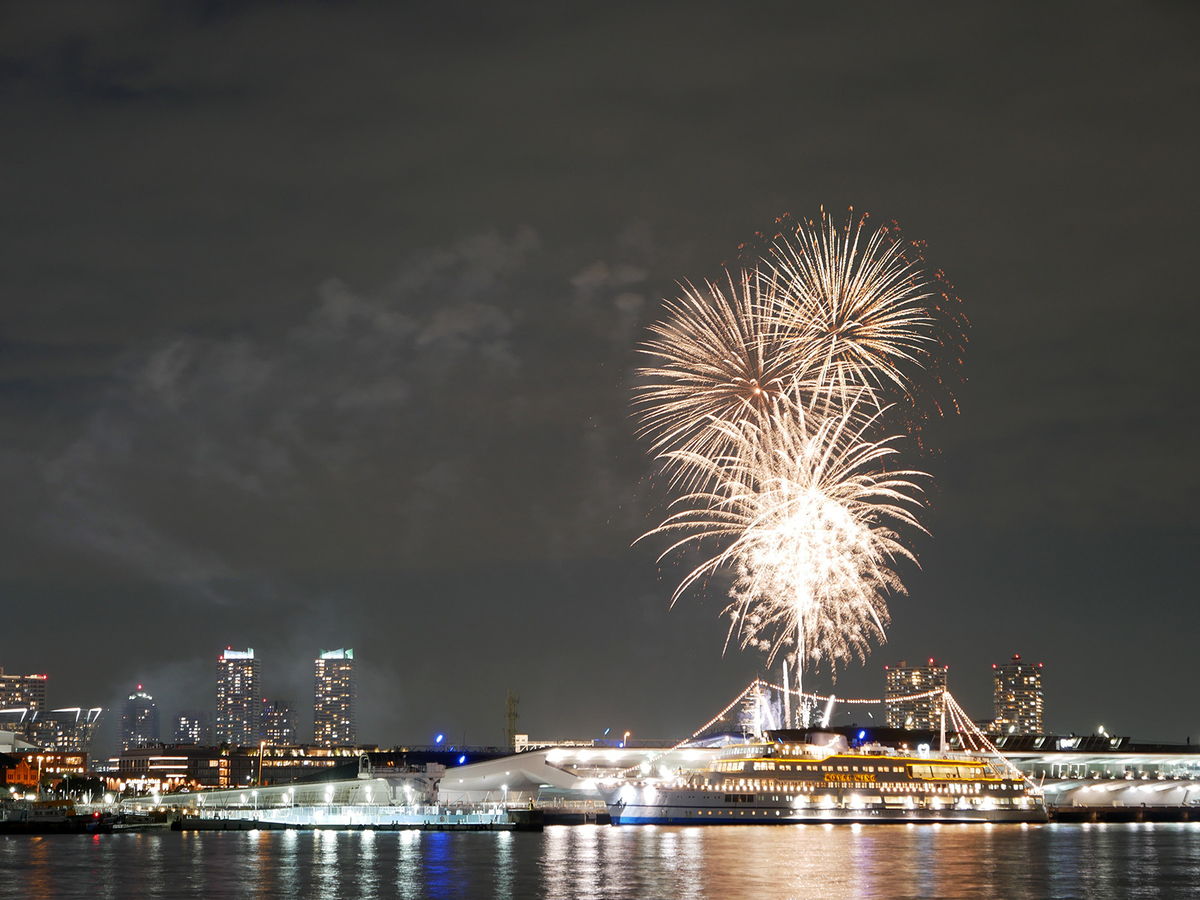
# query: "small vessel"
(790, 777)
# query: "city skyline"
(311, 340)
(1017, 686)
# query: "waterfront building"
(23, 691)
(904, 710)
(139, 721)
(239, 698)
(27, 768)
(1018, 697)
(335, 699)
(278, 722)
(194, 726)
(166, 768)
(169, 768)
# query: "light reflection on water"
(589, 861)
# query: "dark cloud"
(412, 403)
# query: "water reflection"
(504, 867)
(407, 869)
(1111, 861)
(366, 869)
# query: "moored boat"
(790, 777)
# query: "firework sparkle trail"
(722, 355)
(865, 309)
(856, 308)
(809, 518)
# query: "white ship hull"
(692, 808)
(782, 782)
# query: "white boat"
(795, 777)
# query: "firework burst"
(720, 355)
(865, 310)
(775, 403)
(854, 306)
(809, 520)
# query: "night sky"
(318, 330)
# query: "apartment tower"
(335, 699)
(239, 699)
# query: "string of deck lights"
(822, 698)
(753, 686)
(962, 723)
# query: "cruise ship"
(791, 777)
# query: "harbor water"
(590, 861)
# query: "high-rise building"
(194, 726)
(23, 691)
(139, 721)
(335, 699)
(278, 723)
(66, 730)
(239, 699)
(1018, 697)
(914, 695)
(20, 720)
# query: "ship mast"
(942, 735)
